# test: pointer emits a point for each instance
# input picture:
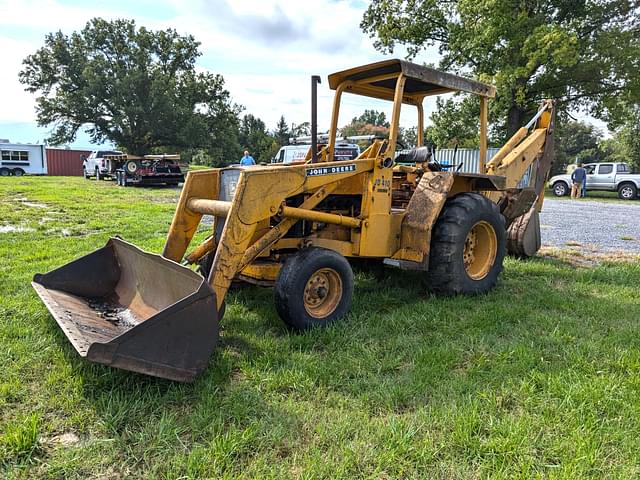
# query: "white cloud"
(266, 50)
(17, 105)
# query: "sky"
(266, 50)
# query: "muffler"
(130, 309)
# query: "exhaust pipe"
(315, 80)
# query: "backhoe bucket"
(123, 307)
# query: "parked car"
(102, 164)
(610, 177)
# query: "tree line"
(140, 89)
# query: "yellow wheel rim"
(480, 248)
(322, 293)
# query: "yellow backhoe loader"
(294, 227)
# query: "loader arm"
(257, 216)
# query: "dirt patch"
(64, 440)
(587, 255)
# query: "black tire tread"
(288, 300)
(450, 231)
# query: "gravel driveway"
(605, 226)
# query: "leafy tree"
(301, 130)
(576, 142)
(408, 137)
(282, 133)
(455, 123)
(361, 128)
(372, 117)
(255, 138)
(582, 53)
(625, 144)
(134, 87)
(371, 122)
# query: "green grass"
(593, 196)
(540, 378)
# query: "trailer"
(149, 170)
(18, 159)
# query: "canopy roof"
(378, 80)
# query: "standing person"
(247, 159)
(579, 178)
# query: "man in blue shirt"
(247, 159)
(579, 177)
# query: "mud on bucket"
(123, 307)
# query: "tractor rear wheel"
(467, 246)
(314, 288)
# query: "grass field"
(540, 378)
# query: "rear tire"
(467, 246)
(560, 189)
(314, 288)
(18, 172)
(4, 172)
(627, 191)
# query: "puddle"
(25, 201)
(35, 205)
(15, 229)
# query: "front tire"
(627, 191)
(314, 288)
(467, 246)
(560, 189)
(4, 172)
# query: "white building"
(22, 158)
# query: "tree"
(282, 133)
(371, 122)
(372, 117)
(576, 142)
(301, 130)
(255, 138)
(582, 53)
(625, 145)
(134, 87)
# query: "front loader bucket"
(123, 307)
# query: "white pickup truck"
(611, 177)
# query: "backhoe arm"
(525, 161)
